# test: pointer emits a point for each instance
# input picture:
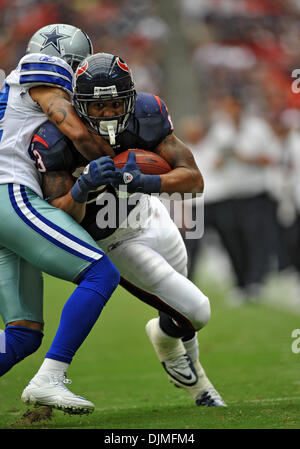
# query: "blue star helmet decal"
(52, 39)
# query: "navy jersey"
(53, 151)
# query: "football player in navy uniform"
(151, 257)
(36, 237)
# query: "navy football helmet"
(101, 77)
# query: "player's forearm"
(185, 176)
(57, 106)
(182, 180)
(56, 187)
(91, 146)
(62, 114)
(71, 207)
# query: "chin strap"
(111, 133)
(109, 127)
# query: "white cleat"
(203, 391)
(181, 371)
(50, 389)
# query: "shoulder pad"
(37, 69)
(147, 104)
(154, 122)
(50, 134)
(52, 150)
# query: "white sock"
(53, 366)
(192, 348)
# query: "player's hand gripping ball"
(148, 162)
(140, 175)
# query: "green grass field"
(246, 352)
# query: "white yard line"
(249, 401)
(268, 400)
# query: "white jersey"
(20, 116)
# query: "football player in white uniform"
(36, 237)
(151, 257)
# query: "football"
(150, 163)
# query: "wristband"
(79, 191)
(150, 183)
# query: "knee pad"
(101, 276)
(201, 314)
(17, 342)
(196, 318)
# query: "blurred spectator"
(287, 128)
(249, 48)
(129, 28)
(239, 202)
(193, 132)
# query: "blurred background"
(225, 69)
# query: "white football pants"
(152, 262)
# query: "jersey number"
(3, 103)
(39, 161)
